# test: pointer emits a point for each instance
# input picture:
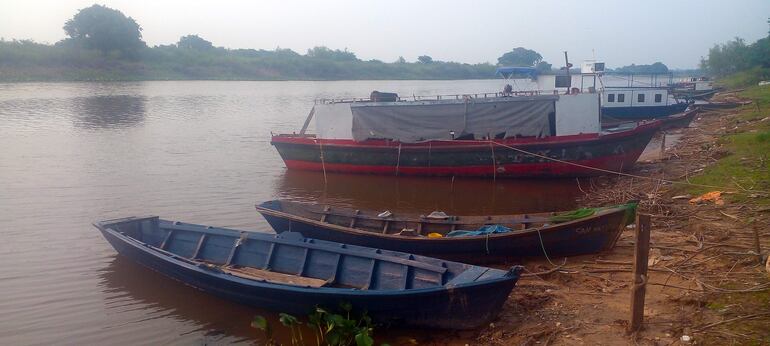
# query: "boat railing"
(439, 97)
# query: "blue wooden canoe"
(551, 234)
(292, 274)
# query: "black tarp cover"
(418, 121)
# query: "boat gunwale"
(513, 274)
(356, 231)
(642, 126)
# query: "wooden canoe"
(531, 235)
(292, 274)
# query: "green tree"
(194, 42)
(424, 59)
(544, 66)
(326, 53)
(520, 56)
(100, 27)
(401, 60)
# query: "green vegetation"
(738, 63)
(521, 56)
(329, 328)
(104, 44)
(655, 68)
(747, 166)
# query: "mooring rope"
(323, 164)
(627, 174)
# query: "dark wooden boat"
(575, 155)
(530, 235)
(670, 122)
(722, 105)
(292, 274)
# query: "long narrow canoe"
(669, 122)
(546, 234)
(292, 274)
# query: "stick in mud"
(641, 254)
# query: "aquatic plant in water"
(329, 328)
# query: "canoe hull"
(462, 307)
(568, 239)
(578, 155)
(668, 122)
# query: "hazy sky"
(674, 32)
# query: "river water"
(197, 151)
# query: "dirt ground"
(705, 281)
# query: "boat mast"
(567, 66)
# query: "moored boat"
(637, 103)
(497, 136)
(669, 122)
(473, 239)
(699, 88)
(292, 274)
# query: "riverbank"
(705, 282)
(26, 61)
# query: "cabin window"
(563, 81)
(640, 98)
(658, 98)
(621, 97)
(610, 97)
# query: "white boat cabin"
(635, 97)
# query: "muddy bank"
(705, 281)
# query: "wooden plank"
(325, 214)
(269, 256)
(353, 219)
(641, 254)
(372, 268)
(304, 262)
(200, 245)
(339, 250)
(332, 279)
(166, 239)
(234, 250)
(273, 277)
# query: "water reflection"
(153, 294)
(459, 195)
(109, 111)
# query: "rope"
(398, 160)
(323, 164)
(627, 174)
(542, 246)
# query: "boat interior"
(290, 259)
(409, 224)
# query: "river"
(197, 151)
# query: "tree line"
(105, 44)
(746, 63)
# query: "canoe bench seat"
(273, 277)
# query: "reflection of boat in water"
(459, 195)
(474, 239)
(292, 274)
(153, 295)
